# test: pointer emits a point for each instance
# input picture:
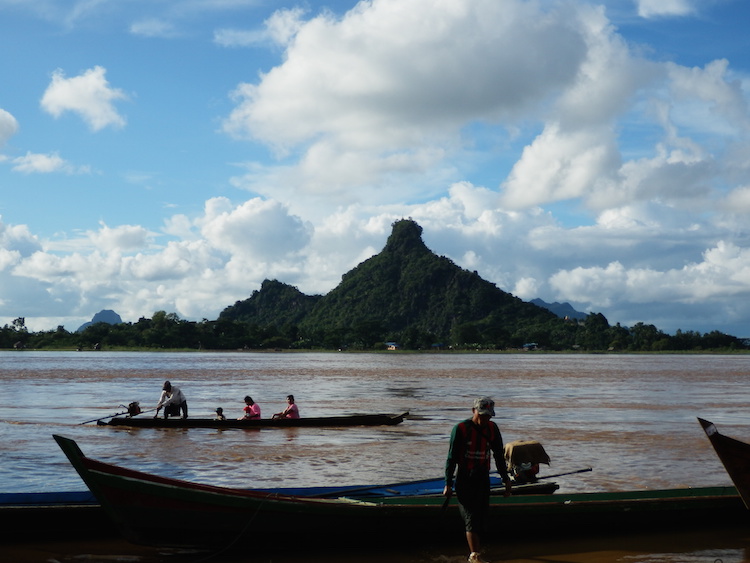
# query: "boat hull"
(153, 510)
(65, 515)
(734, 455)
(330, 421)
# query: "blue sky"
(171, 155)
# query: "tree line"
(167, 331)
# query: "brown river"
(631, 418)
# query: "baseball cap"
(485, 405)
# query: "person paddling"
(173, 401)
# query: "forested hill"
(276, 304)
(406, 294)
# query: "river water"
(632, 418)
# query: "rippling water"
(631, 418)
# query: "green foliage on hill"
(408, 294)
(275, 303)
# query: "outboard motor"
(523, 458)
(134, 408)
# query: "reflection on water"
(631, 418)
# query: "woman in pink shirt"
(291, 411)
(252, 410)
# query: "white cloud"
(558, 166)
(8, 126)
(124, 238)
(724, 271)
(664, 8)
(18, 239)
(387, 88)
(576, 155)
(279, 29)
(238, 37)
(256, 230)
(179, 261)
(8, 258)
(89, 95)
(45, 164)
(154, 27)
(738, 200)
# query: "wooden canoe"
(328, 421)
(154, 510)
(734, 455)
(78, 515)
(65, 515)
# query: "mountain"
(275, 303)
(406, 293)
(562, 310)
(104, 316)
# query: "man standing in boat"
(473, 443)
(173, 401)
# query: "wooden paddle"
(102, 418)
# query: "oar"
(567, 473)
(102, 418)
(117, 414)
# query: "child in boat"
(252, 410)
(220, 414)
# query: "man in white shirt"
(173, 401)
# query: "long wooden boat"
(78, 514)
(66, 515)
(327, 421)
(153, 510)
(734, 455)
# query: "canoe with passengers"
(380, 419)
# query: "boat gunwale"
(111, 471)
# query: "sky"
(170, 155)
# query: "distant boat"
(153, 510)
(337, 421)
(734, 455)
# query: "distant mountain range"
(562, 310)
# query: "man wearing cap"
(473, 442)
(173, 401)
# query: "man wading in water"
(473, 442)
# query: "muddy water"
(630, 418)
